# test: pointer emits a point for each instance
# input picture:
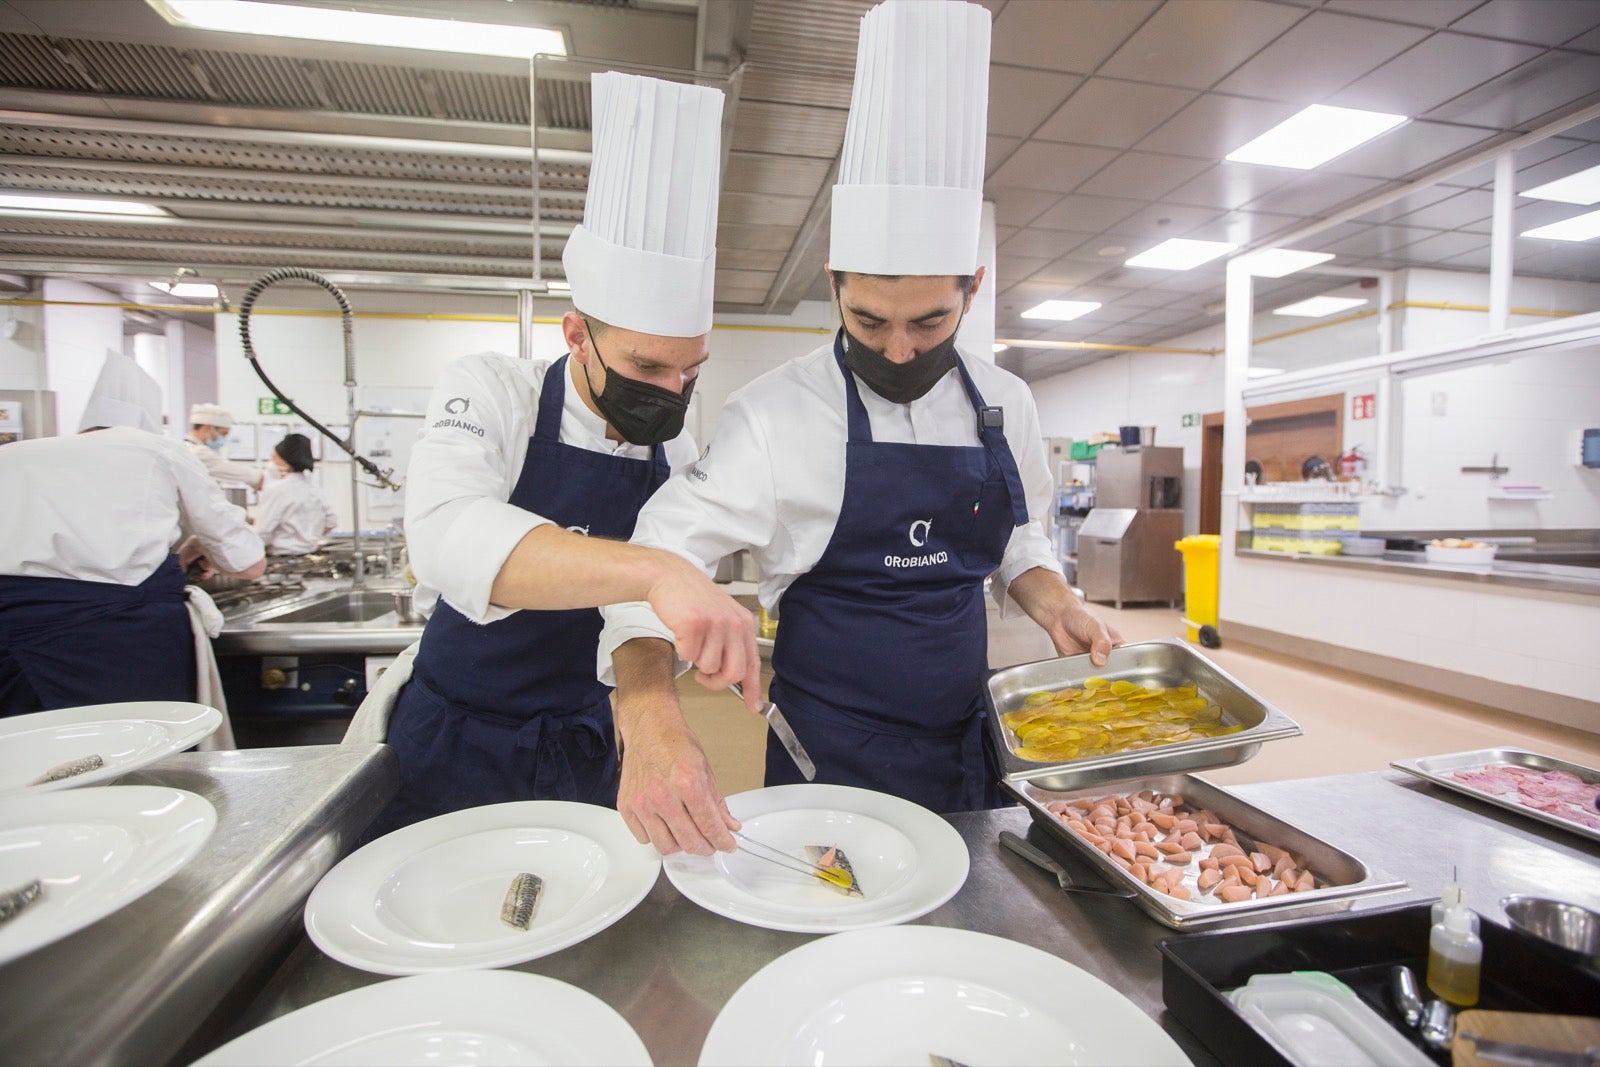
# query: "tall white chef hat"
(910, 194)
(123, 395)
(645, 257)
(210, 415)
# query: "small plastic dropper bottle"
(1451, 897)
(1455, 958)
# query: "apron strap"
(860, 425)
(994, 440)
(551, 397)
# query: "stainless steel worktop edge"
(1549, 577)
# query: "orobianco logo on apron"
(918, 535)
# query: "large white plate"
(427, 897)
(126, 736)
(95, 850)
(897, 995)
(501, 1017)
(907, 861)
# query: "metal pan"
(1341, 877)
(1169, 662)
(1437, 769)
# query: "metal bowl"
(1563, 925)
(402, 606)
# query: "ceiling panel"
(1243, 228)
(1073, 37)
(1322, 53)
(787, 129)
(1052, 167)
(1021, 99)
(1546, 22)
(1530, 156)
(1440, 68)
(1469, 210)
(1069, 271)
(1019, 207)
(1537, 174)
(1230, 185)
(1047, 243)
(1013, 268)
(1380, 241)
(1316, 194)
(1195, 44)
(751, 172)
(1215, 125)
(1434, 13)
(1144, 175)
(997, 150)
(1534, 89)
(1445, 245)
(1154, 223)
(1079, 213)
(1425, 144)
(1115, 114)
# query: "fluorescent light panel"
(362, 27)
(558, 287)
(1578, 228)
(1314, 136)
(1580, 188)
(1061, 310)
(30, 202)
(1180, 253)
(1319, 307)
(999, 348)
(188, 290)
(1278, 262)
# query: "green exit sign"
(1192, 420)
(271, 405)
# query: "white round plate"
(427, 897)
(899, 995)
(126, 736)
(477, 1017)
(94, 850)
(907, 861)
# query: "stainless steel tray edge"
(1184, 915)
(1186, 756)
(1436, 769)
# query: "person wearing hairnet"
(92, 604)
(209, 427)
(523, 488)
(877, 481)
(293, 512)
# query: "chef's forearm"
(647, 695)
(1044, 595)
(552, 569)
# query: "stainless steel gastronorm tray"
(1346, 877)
(1437, 769)
(1165, 663)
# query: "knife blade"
(785, 735)
(1528, 1055)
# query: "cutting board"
(1564, 1033)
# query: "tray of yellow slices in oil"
(1156, 707)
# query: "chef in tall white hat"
(879, 480)
(209, 427)
(524, 486)
(92, 599)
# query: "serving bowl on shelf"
(1455, 552)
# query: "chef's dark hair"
(963, 281)
(295, 450)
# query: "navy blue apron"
(65, 642)
(512, 710)
(882, 646)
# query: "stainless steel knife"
(1528, 1055)
(785, 735)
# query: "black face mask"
(900, 383)
(642, 413)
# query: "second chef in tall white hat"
(879, 480)
(525, 483)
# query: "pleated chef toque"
(645, 257)
(910, 193)
(123, 395)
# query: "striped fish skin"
(833, 857)
(13, 902)
(521, 901)
(70, 769)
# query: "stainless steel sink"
(351, 605)
(329, 620)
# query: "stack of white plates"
(121, 737)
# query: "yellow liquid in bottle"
(1454, 981)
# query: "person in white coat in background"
(523, 488)
(877, 482)
(209, 426)
(92, 555)
(293, 513)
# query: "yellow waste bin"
(1200, 581)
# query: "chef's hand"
(711, 630)
(191, 551)
(1077, 629)
(668, 795)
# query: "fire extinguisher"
(1352, 464)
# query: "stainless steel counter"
(1552, 577)
(670, 966)
(328, 617)
(133, 987)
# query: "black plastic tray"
(1199, 970)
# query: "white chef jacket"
(293, 514)
(772, 479)
(460, 524)
(225, 471)
(109, 506)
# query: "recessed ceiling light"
(1314, 136)
(1180, 253)
(188, 290)
(29, 202)
(1319, 306)
(1580, 188)
(1061, 310)
(362, 27)
(1277, 262)
(1580, 228)
(1262, 372)
(999, 348)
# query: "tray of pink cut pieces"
(1551, 790)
